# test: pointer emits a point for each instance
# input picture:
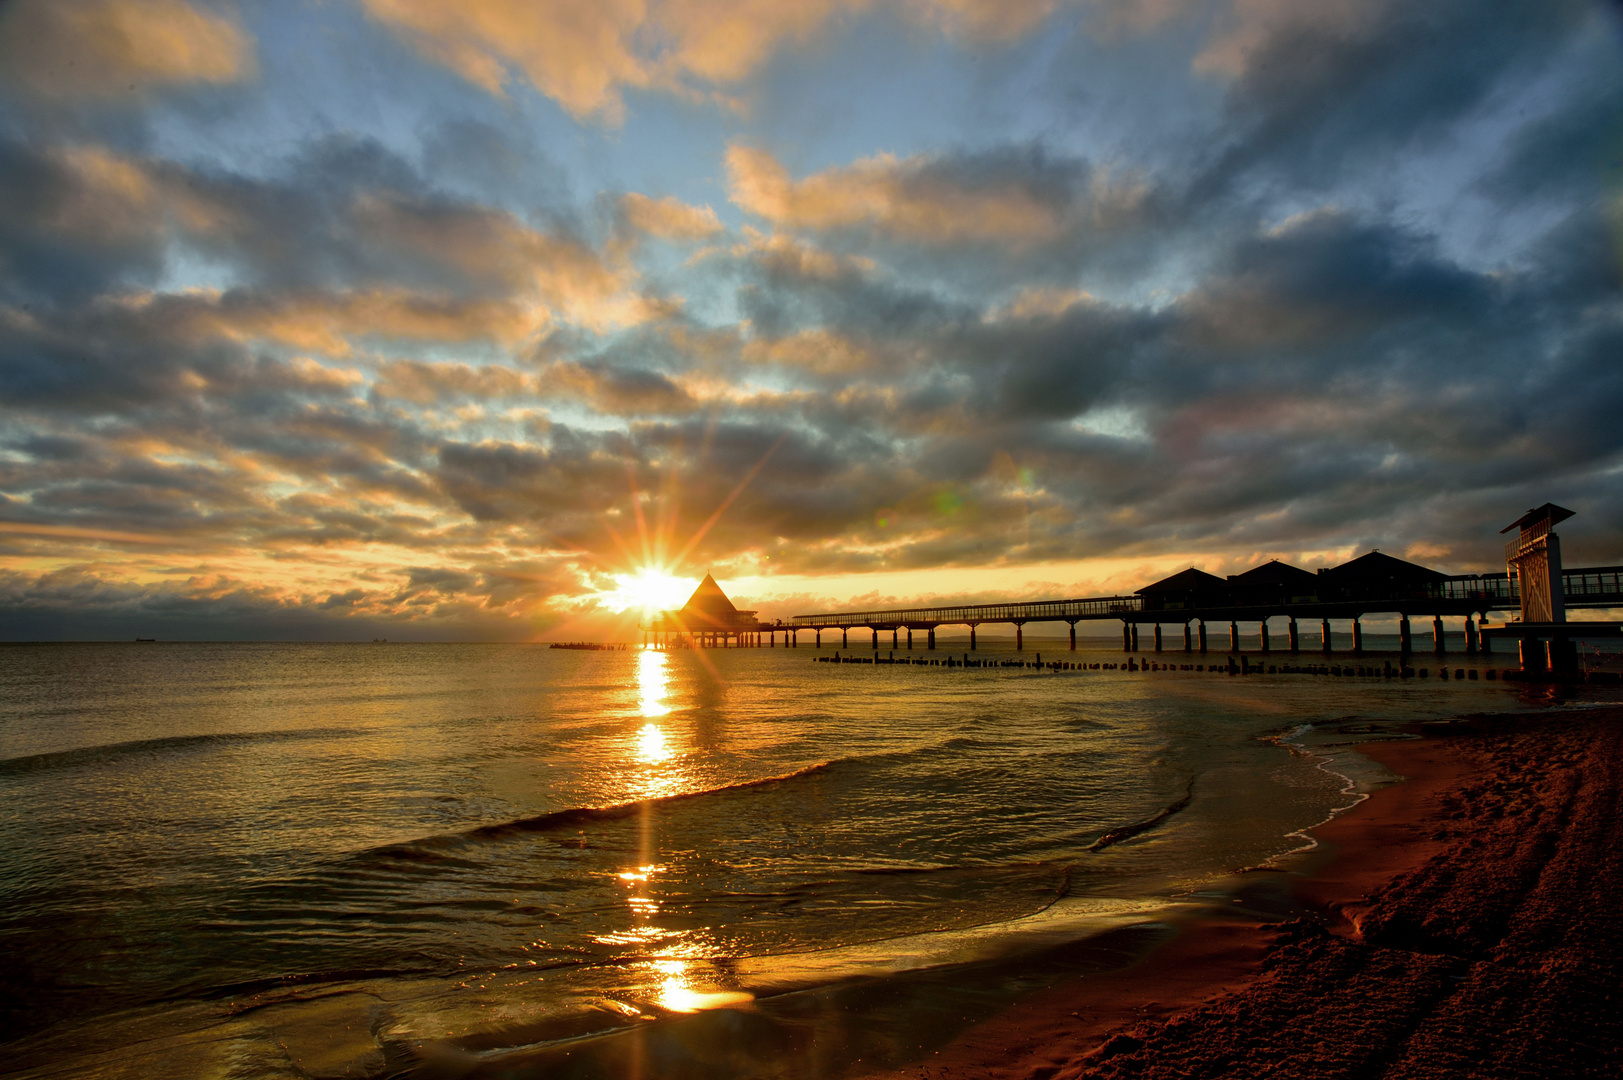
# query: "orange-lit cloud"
(583, 53)
(669, 218)
(922, 200)
(85, 49)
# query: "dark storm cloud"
(1320, 94)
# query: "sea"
(389, 859)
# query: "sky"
(443, 319)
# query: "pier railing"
(1100, 607)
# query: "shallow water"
(498, 847)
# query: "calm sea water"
(263, 860)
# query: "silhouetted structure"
(1370, 584)
(707, 620)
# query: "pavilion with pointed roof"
(708, 620)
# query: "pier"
(1271, 608)
(1191, 602)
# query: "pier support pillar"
(1126, 637)
(1324, 635)
(845, 637)
(1358, 638)
(972, 637)
(1296, 636)
(1073, 636)
(1437, 645)
(893, 638)
(794, 638)
(819, 637)
(1203, 635)
(1135, 637)
(1470, 635)
(1262, 637)
(909, 639)
(1019, 637)
(1405, 639)
(1532, 653)
(1234, 636)
(1157, 637)
(932, 637)
(1188, 638)
(875, 630)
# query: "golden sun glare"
(650, 589)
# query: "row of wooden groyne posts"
(1243, 666)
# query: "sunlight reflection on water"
(653, 684)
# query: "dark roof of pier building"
(1274, 574)
(1377, 569)
(1190, 580)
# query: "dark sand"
(1465, 923)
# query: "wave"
(432, 848)
(92, 755)
(1126, 832)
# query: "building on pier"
(707, 620)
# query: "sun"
(650, 589)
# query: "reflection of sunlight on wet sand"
(652, 683)
(677, 995)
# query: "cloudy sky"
(427, 318)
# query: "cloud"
(669, 218)
(583, 54)
(99, 49)
(1019, 200)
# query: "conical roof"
(708, 599)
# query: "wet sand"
(1467, 922)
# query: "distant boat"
(146, 639)
(588, 646)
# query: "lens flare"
(648, 590)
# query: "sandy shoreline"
(1465, 922)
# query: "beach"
(1463, 922)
